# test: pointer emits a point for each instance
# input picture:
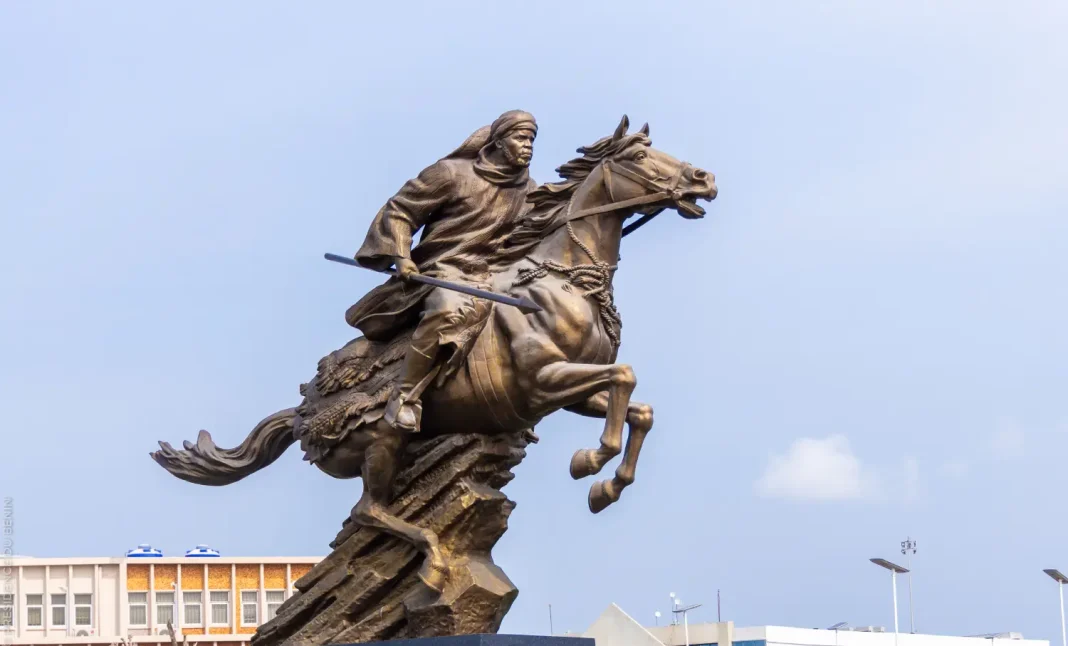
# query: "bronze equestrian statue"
(433, 362)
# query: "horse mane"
(549, 200)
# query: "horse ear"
(645, 130)
(621, 129)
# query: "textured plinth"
(368, 590)
(494, 640)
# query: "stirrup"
(397, 404)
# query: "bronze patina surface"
(436, 402)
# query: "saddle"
(352, 385)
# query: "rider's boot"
(404, 411)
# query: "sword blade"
(525, 305)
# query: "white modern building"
(209, 599)
(616, 628)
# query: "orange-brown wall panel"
(193, 578)
(248, 577)
(137, 578)
(218, 577)
(165, 576)
(274, 577)
(299, 570)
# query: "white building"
(616, 628)
(81, 601)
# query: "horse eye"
(640, 156)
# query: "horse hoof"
(434, 576)
(582, 464)
(601, 495)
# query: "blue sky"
(864, 340)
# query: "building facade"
(616, 628)
(83, 601)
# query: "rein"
(595, 278)
(659, 193)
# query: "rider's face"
(518, 147)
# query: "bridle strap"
(659, 194)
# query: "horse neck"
(599, 234)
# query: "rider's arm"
(391, 233)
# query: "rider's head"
(513, 136)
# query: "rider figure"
(466, 205)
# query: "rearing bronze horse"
(519, 368)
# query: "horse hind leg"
(378, 474)
(587, 462)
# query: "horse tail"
(207, 464)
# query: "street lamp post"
(1061, 581)
(894, 571)
(908, 548)
(680, 609)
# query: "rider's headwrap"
(511, 121)
(479, 144)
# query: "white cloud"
(817, 469)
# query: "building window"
(164, 608)
(192, 608)
(220, 608)
(35, 610)
(7, 610)
(274, 602)
(59, 610)
(249, 607)
(83, 610)
(138, 608)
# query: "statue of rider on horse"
(434, 361)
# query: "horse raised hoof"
(602, 494)
(583, 464)
(434, 574)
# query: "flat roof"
(159, 560)
(708, 633)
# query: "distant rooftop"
(616, 628)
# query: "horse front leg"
(567, 385)
(378, 473)
(587, 462)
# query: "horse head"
(634, 174)
(617, 176)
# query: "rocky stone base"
(367, 589)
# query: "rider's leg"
(403, 410)
(440, 311)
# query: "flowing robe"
(466, 209)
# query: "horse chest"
(575, 321)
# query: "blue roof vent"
(202, 550)
(144, 550)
